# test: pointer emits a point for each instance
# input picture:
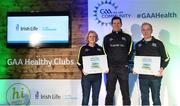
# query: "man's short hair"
(146, 23)
(116, 17)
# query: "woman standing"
(90, 80)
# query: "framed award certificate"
(95, 64)
(149, 65)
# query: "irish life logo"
(18, 94)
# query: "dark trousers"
(154, 85)
(120, 74)
(87, 82)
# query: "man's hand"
(161, 72)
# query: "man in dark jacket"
(150, 46)
(118, 48)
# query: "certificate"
(149, 65)
(95, 64)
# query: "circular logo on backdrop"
(104, 12)
(18, 94)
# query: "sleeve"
(130, 48)
(79, 60)
(105, 46)
(164, 56)
(136, 49)
(102, 51)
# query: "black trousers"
(119, 73)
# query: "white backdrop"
(164, 17)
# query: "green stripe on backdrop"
(6, 53)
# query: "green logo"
(18, 94)
(146, 66)
(95, 62)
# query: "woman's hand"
(134, 72)
(84, 72)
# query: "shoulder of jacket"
(82, 47)
(99, 47)
(158, 41)
(126, 34)
(106, 37)
(139, 42)
(109, 34)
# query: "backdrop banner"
(164, 15)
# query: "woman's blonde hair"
(91, 31)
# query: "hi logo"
(18, 94)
